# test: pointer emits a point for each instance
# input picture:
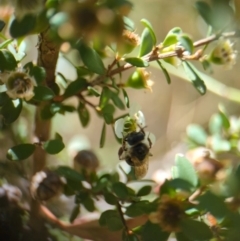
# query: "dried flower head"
(20, 85)
(46, 185)
(224, 54)
(169, 214)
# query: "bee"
(135, 151)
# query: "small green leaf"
(38, 73)
(20, 152)
(103, 135)
(53, 146)
(42, 93)
(126, 99)
(172, 37)
(7, 60)
(181, 237)
(185, 170)
(144, 191)
(2, 25)
(11, 110)
(111, 219)
(164, 72)
(69, 174)
(197, 134)
(83, 71)
(186, 42)
(110, 198)
(91, 59)
(138, 62)
(75, 86)
(105, 96)
(148, 25)
(195, 230)
(19, 28)
(93, 91)
(88, 203)
(74, 214)
(3, 98)
(137, 208)
(108, 112)
(153, 232)
(147, 43)
(120, 189)
(213, 204)
(117, 101)
(205, 11)
(198, 83)
(5, 43)
(218, 144)
(83, 114)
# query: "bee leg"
(149, 141)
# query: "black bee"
(135, 151)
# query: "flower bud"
(127, 43)
(20, 85)
(140, 80)
(46, 185)
(224, 54)
(86, 160)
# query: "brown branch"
(119, 208)
(47, 58)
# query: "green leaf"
(83, 114)
(138, 62)
(5, 43)
(137, 209)
(117, 101)
(105, 97)
(53, 146)
(213, 204)
(7, 60)
(3, 98)
(153, 232)
(88, 203)
(120, 189)
(172, 37)
(93, 91)
(91, 59)
(38, 73)
(164, 72)
(148, 25)
(185, 170)
(197, 134)
(75, 86)
(186, 42)
(195, 230)
(42, 93)
(74, 213)
(126, 99)
(110, 198)
(144, 191)
(147, 43)
(19, 28)
(205, 11)
(11, 110)
(69, 174)
(103, 135)
(107, 113)
(198, 83)
(20, 152)
(181, 237)
(2, 25)
(218, 144)
(83, 71)
(111, 219)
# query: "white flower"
(133, 122)
(20, 85)
(224, 53)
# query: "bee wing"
(141, 171)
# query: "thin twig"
(119, 208)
